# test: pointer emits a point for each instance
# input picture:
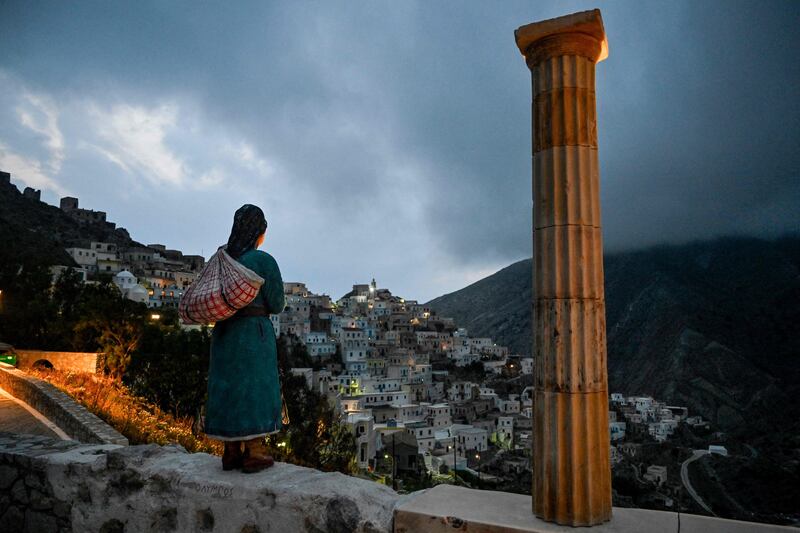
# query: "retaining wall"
(75, 361)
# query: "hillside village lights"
(571, 470)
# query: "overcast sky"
(392, 139)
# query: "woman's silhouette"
(244, 398)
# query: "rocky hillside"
(711, 325)
(34, 232)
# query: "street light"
(455, 463)
(394, 466)
(478, 457)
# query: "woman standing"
(244, 398)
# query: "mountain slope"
(709, 325)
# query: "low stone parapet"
(66, 361)
(58, 407)
(48, 485)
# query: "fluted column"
(571, 466)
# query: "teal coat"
(244, 398)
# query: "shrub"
(134, 417)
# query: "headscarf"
(248, 225)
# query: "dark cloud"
(401, 131)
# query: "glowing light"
(155, 316)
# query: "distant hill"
(33, 232)
(710, 325)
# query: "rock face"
(48, 485)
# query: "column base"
(571, 463)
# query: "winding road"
(697, 454)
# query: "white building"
(657, 474)
(505, 428)
(471, 438)
(125, 280)
(363, 427)
(508, 406)
(660, 430)
(718, 450)
(462, 390)
(276, 324)
(642, 403)
(425, 434)
(85, 257)
(439, 415)
(130, 288)
(617, 430)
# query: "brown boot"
(255, 456)
(232, 456)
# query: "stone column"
(571, 465)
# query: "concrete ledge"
(74, 419)
(446, 508)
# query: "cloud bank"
(393, 141)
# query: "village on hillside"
(421, 396)
(425, 401)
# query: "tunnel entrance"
(43, 364)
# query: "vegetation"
(473, 372)
(136, 418)
(69, 315)
(315, 436)
(170, 368)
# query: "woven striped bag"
(223, 287)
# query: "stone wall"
(49, 485)
(74, 361)
(53, 485)
(58, 407)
